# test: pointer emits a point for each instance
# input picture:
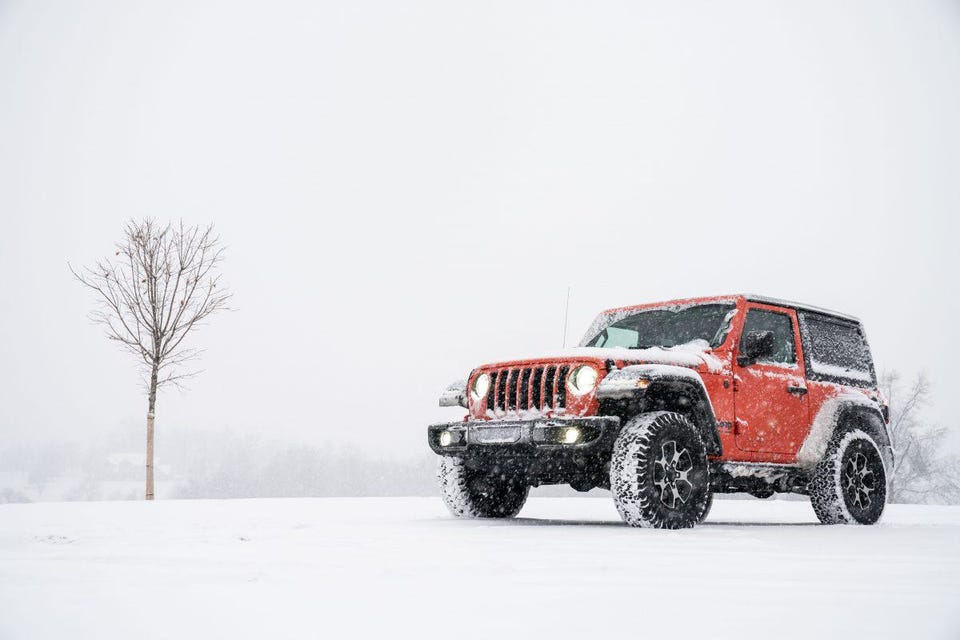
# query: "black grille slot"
(525, 389)
(492, 393)
(562, 386)
(512, 389)
(550, 377)
(536, 382)
(502, 389)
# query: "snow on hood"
(691, 354)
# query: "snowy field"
(400, 567)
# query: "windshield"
(664, 327)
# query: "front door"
(771, 394)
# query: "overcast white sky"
(407, 189)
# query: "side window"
(836, 350)
(784, 347)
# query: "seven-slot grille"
(521, 388)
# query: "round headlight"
(582, 380)
(480, 386)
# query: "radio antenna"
(566, 315)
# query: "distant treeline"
(200, 464)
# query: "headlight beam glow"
(480, 386)
(582, 380)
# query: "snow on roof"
(799, 306)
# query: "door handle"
(797, 391)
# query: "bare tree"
(924, 469)
(161, 284)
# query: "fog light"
(445, 438)
(571, 435)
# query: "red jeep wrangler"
(666, 403)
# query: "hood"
(695, 355)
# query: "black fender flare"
(653, 387)
(869, 420)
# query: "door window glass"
(784, 348)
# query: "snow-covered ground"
(401, 567)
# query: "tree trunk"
(150, 414)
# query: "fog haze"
(408, 190)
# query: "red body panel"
(770, 419)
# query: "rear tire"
(483, 493)
(849, 485)
(659, 474)
(706, 510)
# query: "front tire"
(849, 485)
(659, 475)
(479, 493)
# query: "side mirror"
(455, 395)
(756, 345)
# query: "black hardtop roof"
(799, 306)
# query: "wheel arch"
(845, 412)
(869, 419)
(644, 388)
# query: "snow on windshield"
(668, 326)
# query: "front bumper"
(524, 437)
